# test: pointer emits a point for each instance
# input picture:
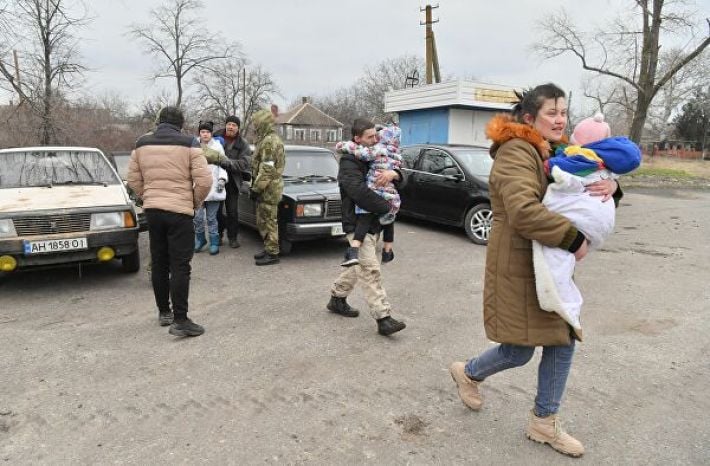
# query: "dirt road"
(88, 377)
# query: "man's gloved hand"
(220, 185)
(254, 195)
(214, 157)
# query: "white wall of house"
(467, 126)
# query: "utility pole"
(244, 99)
(432, 58)
(17, 76)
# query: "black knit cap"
(234, 119)
(171, 115)
(208, 125)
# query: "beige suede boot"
(549, 430)
(468, 389)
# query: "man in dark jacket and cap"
(237, 163)
(354, 191)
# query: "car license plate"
(55, 245)
(337, 230)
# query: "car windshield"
(300, 164)
(477, 161)
(122, 159)
(38, 168)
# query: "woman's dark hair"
(360, 125)
(530, 100)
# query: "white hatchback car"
(62, 205)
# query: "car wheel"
(132, 262)
(478, 223)
(285, 247)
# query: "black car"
(310, 207)
(448, 184)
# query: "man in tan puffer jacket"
(169, 172)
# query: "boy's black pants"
(370, 223)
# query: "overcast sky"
(315, 46)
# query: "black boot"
(388, 326)
(268, 259)
(341, 306)
(387, 256)
(234, 243)
(351, 257)
(259, 254)
(186, 328)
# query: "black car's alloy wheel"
(478, 223)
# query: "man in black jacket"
(354, 190)
(238, 162)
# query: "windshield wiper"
(81, 183)
(310, 177)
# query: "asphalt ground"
(88, 377)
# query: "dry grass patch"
(670, 172)
(670, 166)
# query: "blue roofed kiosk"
(454, 112)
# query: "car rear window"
(28, 169)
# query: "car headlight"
(107, 220)
(309, 210)
(7, 228)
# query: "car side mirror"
(452, 174)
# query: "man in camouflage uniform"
(267, 185)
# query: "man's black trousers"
(172, 238)
(230, 220)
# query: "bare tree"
(220, 88)
(258, 93)
(180, 42)
(387, 75)
(366, 96)
(615, 100)
(42, 31)
(628, 51)
(152, 105)
(682, 86)
(232, 87)
(344, 104)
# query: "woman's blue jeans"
(211, 208)
(551, 374)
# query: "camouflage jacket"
(268, 160)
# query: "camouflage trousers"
(369, 276)
(267, 224)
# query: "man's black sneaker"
(387, 256)
(234, 243)
(351, 257)
(341, 306)
(388, 326)
(260, 254)
(186, 328)
(165, 318)
(268, 259)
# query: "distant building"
(307, 125)
(455, 112)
